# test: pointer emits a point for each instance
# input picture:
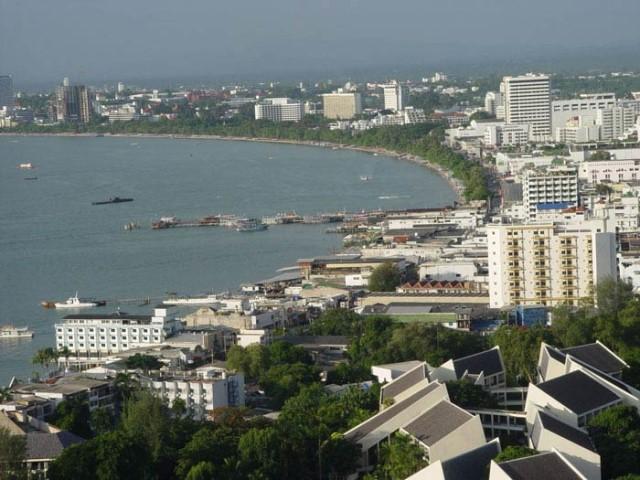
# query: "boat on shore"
(250, 225)
(9, 331)
(75, 302)
(113, 200)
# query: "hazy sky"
(44, 40)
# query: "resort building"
(527, 101)
(548, 264)
(341, 106)
(394, 96)
(279, 110)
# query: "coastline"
(455, 184)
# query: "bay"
(53, 242)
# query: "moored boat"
(113, 200)
(75, 302)
(9, 331)
(250, 225)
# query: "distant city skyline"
(100, 42)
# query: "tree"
(143, 362)
(45, 357)
(13, 450)
(573, 327)
(513, 452)
(616, 435)
(467, 395)
(400, 458)
(384, 278)
(121, 456)
(281, 382)
(102, 420)
(613, 295)
(336, 321)
(259, 453)
(207, 443)
(520, 347)
(77, 462)
(201, 471)
(600, 155)
(73, 415)
(481, 115)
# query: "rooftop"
(41, 446)
(572, 434)
(437, 422)
(471, 465)
(598, 356)
(578, 392)
(549, 466)
(404, 381)
(489, 362)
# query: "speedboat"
(9, 331)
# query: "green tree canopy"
(514, 452)
(13, 450)
(384, 278)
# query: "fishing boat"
(75, 302)
(250, 225)
(113, 200)
(9, 331)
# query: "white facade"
(506, 135)
(105, 334)
(341, 105)
(527, 101)
(394, 97)
(548, 264)
(493, 102)
(563, 110)
(554, 188)
(460, 270)
(279, 110)
(598, 171)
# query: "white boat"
(364, 178)
(26, 166)
(76, 302)
(9, 331)
(198, 300)
(250, 225)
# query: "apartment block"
(279, 110)
(548, 264)
(73, 104)
(341, 106)
(394, 97)
(549, 189)
(563, 110)
(527, 101)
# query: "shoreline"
(453, 183)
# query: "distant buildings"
(6, 91)
(527, 101)
(394, 96)
(555, 188)
(279, 110)
(72, 103)
(548, 264)
(341, 106)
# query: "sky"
(45, 40)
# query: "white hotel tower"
(527, 101)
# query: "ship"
(113, 200)
(249, 225)
(197, 300)
(75, 302)
(26, 166)
(9, 331)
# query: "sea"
(54, 242)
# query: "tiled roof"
(578, 392)
(562, 429)
(547, 466)
(488, 362)
(597, 356)
(46, 446)
(404, 382)
(471, 465)
(437, 422)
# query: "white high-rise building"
(493, 104)
(554, 188)
(527, 100)
(564, 110)
(548, 264)
(394, 97)
(279, 110)
(615, 122)
(341, 105)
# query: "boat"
(26, 166)
(364, 178)
(75, 302)
(250, 225)
(9, 331)
(113, 200)
(197, 300)
(30, 178)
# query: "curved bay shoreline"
(454, 183)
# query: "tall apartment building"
(615, 122)
(6, 91)
(554, 188)
(548, 264)
(73, 103)
(494, 105)
(95, 335)
(279, 110)
(527, 101)
(341, 106)
(394, 97)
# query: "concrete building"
(484, 368)
(615, 122)
(394, 96)
(505, 135)
(548, 264)
(554, 188)
(493, 104)
(547, 465)
(563, 110)
(73, 103)
(279, 110)
(341, 105)
(96, 334)
(6, 92)
(527, 101)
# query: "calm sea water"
(53, 242)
